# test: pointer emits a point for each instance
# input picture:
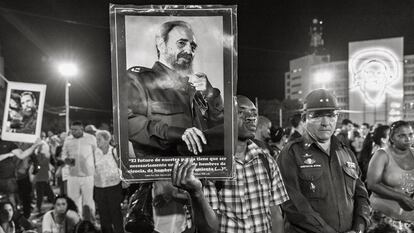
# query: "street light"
(67, 70)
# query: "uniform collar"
(308, 140)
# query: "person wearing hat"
(321, 174)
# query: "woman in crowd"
(357, 143)
(62, 218)
(6, 218)
(391, 179)
(108, 188)
(378, 139)
(11, 222)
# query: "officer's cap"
(320, 99)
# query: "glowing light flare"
(373, 72)
(323, 76)
(68, 69)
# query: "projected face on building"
(374, 72)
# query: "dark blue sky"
(34, 34)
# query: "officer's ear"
(303, 117)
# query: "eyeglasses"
(318, 115)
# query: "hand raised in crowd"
(38, 142)
(200, 82)
(183, 176)
(194, 138)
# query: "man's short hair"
(164, 30)
(295, 120)
(366, 125)
(262, 121)
(346, 122)
(77, 123)
(31, 95)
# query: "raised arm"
(183, 177)
(24, 154)
(5, 156)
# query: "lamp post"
(67, 70)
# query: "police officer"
(321, 174)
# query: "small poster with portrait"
(23, 112)
(174, 70)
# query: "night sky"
(36, 34)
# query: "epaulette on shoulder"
(139, 69)
(294, 141)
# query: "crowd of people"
(310, 177)
(72, 171)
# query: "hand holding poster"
(173, 73)
(23, 112)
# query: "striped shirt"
(243, 203)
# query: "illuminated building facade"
(371, 87)
(409, 87)
(332, 76)
(298, 79)
(376, 80)
(316, 43)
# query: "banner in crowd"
(376, 80)
(23, 112)
(174, 73)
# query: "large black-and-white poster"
(173, 71)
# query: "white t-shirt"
(49, 224)
(106, 169)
